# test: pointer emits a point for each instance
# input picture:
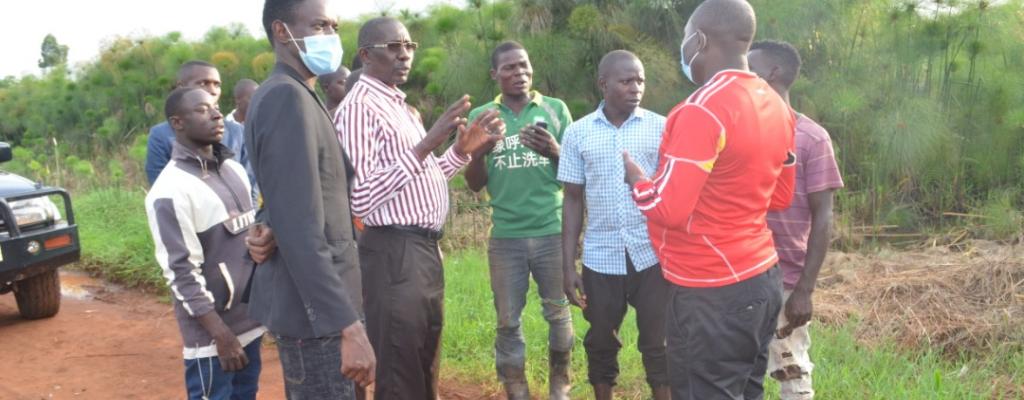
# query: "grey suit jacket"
(311, 286)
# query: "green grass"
(115, 237)
(844, 368)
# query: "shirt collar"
(638, 113)
(535, 98)
(381, 88)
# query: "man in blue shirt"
(619, 266)
(201, 75)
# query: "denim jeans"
(204, 377)
(512, 261)
(312, 369)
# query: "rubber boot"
(517, 391)
(558, 375)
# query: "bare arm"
(572, 226)
(799, 306)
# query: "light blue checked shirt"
(592, 156)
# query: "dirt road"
(109, 343)
(106, 343)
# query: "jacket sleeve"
(158, 152)
(179, 252)
(692, 141)
(285, 157)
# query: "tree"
(53, 53)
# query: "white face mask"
(687, 65)
(323, 52)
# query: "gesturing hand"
(358, 363)
(485, 130)
(451, 119)
(633, 172)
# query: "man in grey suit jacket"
(307, 293)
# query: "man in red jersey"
(726, 158)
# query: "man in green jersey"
(526, 200)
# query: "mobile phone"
(542, 124)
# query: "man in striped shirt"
(801, 232)
(400, 191)
(726, 158)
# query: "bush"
(115, 237)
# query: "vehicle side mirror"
(5, 152)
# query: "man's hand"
(260, 242)
(357, 360)
(798, 310)
(450, 120)
(633, 172)
(486, 130)
(540, 140)
(229, 351)
(573, 286)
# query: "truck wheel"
(38, 296)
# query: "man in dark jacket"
(308, 292)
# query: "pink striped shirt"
(392, 186)
(816, 171)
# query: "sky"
(84, 25)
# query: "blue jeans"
(512, 261)
(204, 376)
(312, 369)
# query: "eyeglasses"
(395, 46)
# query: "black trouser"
(403, 292)
(718, 338)
(608, 297)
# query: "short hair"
(173, 104)
(325, 80)
(243, 84)
(370, 32)
(274, 10)
(613, 58)
(185, 68)
(783, 54)
(502, 49)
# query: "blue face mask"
(682, 59)
(323, 52)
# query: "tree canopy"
(925, 105)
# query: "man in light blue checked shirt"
(619, 265)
